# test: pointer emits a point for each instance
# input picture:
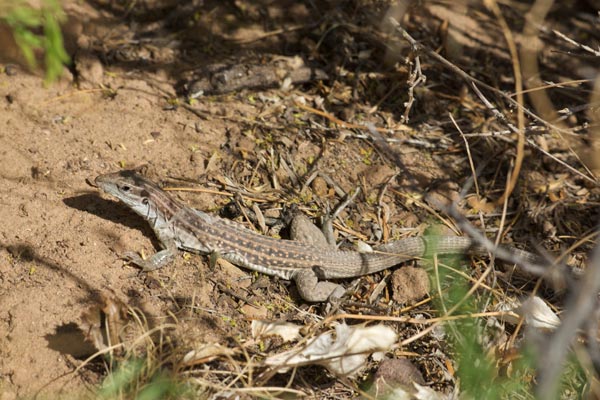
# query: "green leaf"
(24, 20)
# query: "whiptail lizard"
(179, 226)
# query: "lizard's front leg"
(157, 260)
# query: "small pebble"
(394, 373)
(319, 186)
(409, 284)
(10, 69)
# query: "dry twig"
(580, 311)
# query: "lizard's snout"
(102, 182)
(93, 182)
(99, 181)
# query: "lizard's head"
(132, 189)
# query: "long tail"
(427, 246)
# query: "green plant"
(25, 21)
(139, 379)
(480, 377)
(479, 369)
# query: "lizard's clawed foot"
(158, 260)
(132, 257)
(336, 296)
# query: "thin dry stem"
(579, 311)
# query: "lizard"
(310, 266)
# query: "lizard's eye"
(145, 201)
(125, 188)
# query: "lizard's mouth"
(91, 182)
